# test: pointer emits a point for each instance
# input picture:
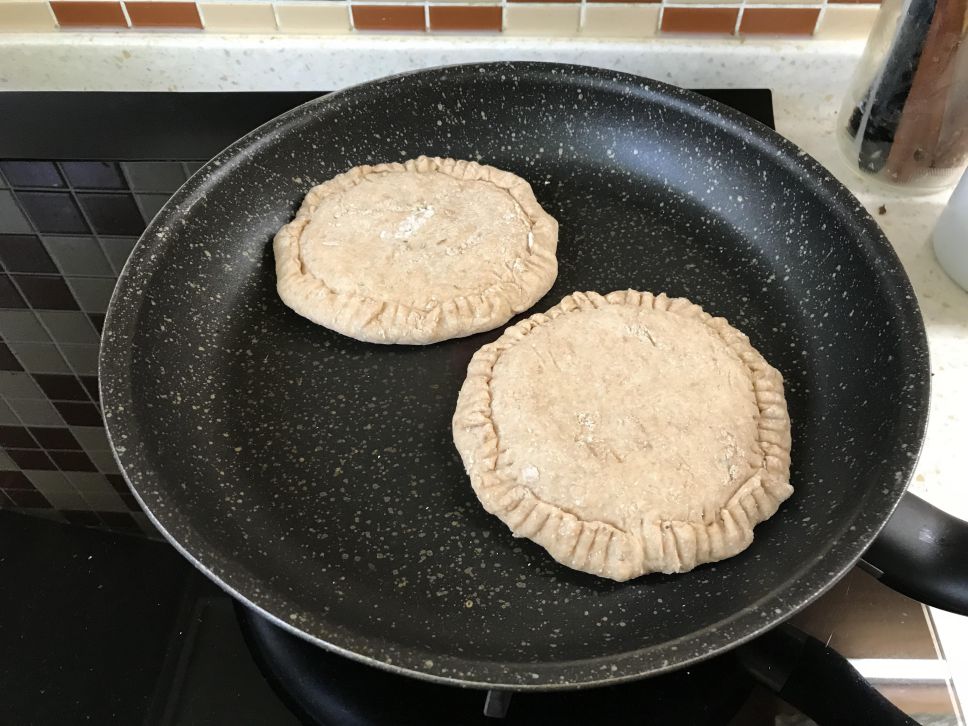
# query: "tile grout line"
(820, 16)
(124, 12)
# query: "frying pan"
(314, 477)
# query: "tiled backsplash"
(66, 229)
(825, 19)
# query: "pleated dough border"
(598, 547)
(383, 321)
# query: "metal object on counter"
(906, 115)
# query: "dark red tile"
(388, 17)
(31, 459)
(14, 480)
(91, 384)
(31, 173)
(28, 500)
(703, 21)
(163, 14)
(81, 517)
(72, 460)
(466, 19)
(55, 438)
(46, 293)
(9, 297)
(17, 437)
(95, 14)
(117, 481)
(53, 212)
(60, 387)
(24, 253)
(779, 21)
(112, 214)
(79, 414)
(8, 361)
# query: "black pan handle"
(817, 680)
(922, 552)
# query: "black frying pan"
(314, 476)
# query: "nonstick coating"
(315, 477)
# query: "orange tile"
(388, 17)
(779, 21)
(163, 15)
(96, 14)
(466, 19)
(699, 20)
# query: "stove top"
(106, 628)
(101, 627)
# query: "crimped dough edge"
(380, 321)
(597, 547)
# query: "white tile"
(542, 20)
(620, 21)
(846, 22)
(238, 17)
(313, 18)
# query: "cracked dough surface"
(626, 434)
(416, 252)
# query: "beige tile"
(844, 22)
(26, 16)
(309, 19)
(803, 3)
(238, 17)
(547, 20)
(702, 2)
(621, 21)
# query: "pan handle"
(922, 552)
(816, 680)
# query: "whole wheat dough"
(626, 434)
(416, 252)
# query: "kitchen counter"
(808, 80)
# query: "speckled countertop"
(808, 80)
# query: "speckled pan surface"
(315, 476)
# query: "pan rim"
(812, 581)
